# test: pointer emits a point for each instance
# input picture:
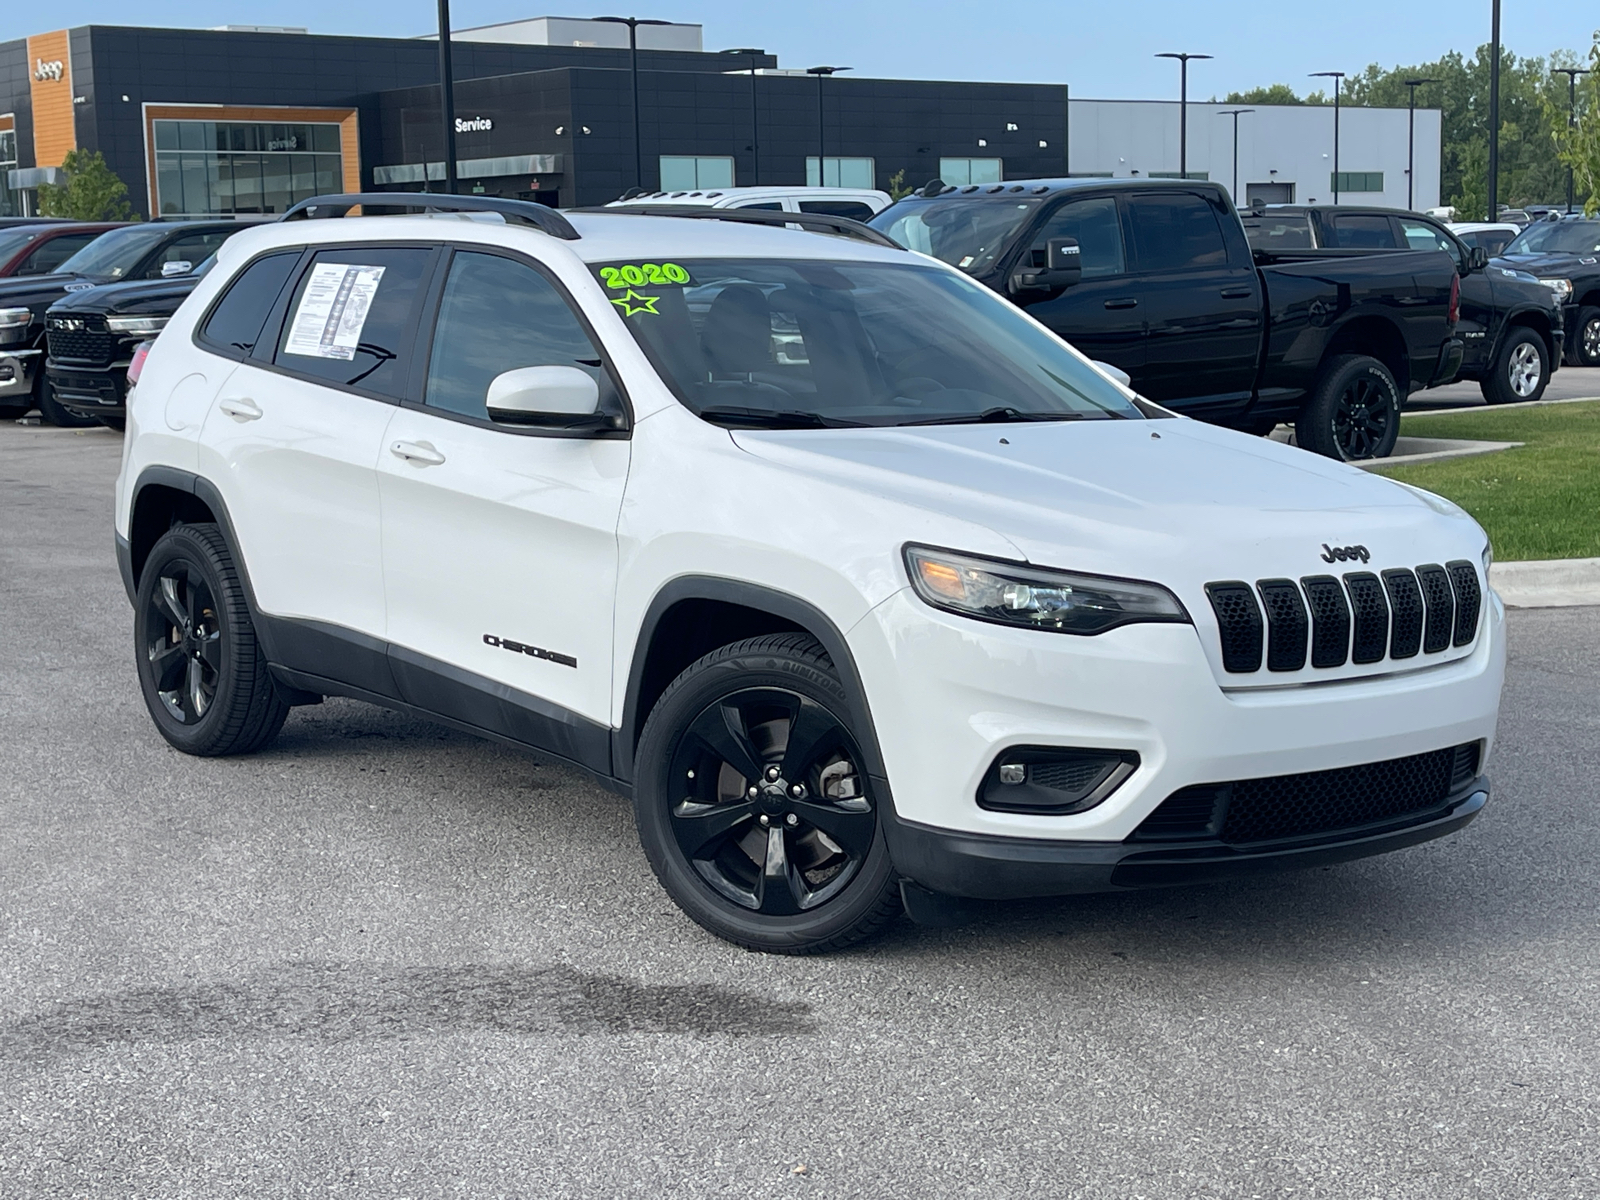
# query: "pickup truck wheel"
(1521, 369)
(753, 805)
(52, 410)
(201, 669)
(118, 422)
(1353, 411)
(1583, 350)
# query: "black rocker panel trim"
(331, 652)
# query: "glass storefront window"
(10, 202)
(842, 172)
(961, 171)
(205, 167)
(687, 173)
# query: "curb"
(1407, 413)
(1422, 450)
(1552, 583)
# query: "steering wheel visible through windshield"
(811, 343)
(968, 232)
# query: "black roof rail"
(819, 222)
(523, 212)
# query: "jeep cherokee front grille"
(1361, 619)
(1312, 803)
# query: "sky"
(1102, 49)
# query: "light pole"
(633, 24)
(1411, 141)
(1183, 109)
(1572, 74)
(822, 152)
(755, 133)
(1235, 113)
(1338, 80)
(1494, 116)
(447, 104)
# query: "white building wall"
(1284, 144)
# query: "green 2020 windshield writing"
(639, 274)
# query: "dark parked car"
(1565, 253)
(152, 250)
(40, 249)
(1511, 323)
(1155, 277)
(91, 336)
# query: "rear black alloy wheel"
(202, 672)
(1353, 412)
(753, 804)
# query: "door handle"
(241, 408)
(1237, 293)
(1125, 302)
(420, 453)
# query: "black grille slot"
(1240, 622)
(1185, 815)
(1371, 616)
(1464, 577)
(79, 345)
(1071, 776)
(1405, 601)
(1465, 769)
(1330, 621)
(1286, 624)
(1441, 603)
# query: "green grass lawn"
(1541, 500)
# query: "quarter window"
(1363, 231)
(498, 315)
(240, 315)
(1175, 232)
(349, 317)
(1094, 223)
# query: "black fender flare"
(749, 595)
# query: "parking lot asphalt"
(1569, 383)
(386, 959)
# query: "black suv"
(153, 250)
(1511, 325)
(1565, 253)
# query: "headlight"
(15, 318)
(1561, 287)
(1488, 558)
(144, 325)
(1030, 598)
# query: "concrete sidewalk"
(1552, 583)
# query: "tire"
(119, 422)
(193, 634)
(10, 410)
(51, 409)
(1520, 371)
(1583, 348)
(1353, 412)
(732, 861)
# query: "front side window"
(808, 343)
(1175, 232)
(192, 248)
(1363, 231)
(349, 317)
(968, 232)
(1420, 235)
(237, 320)
(1094, 223)
(47, 259)
(498, 315)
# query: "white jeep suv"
(868, 589)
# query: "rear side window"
(237, 320)
(497, 315)
(854, 209)
(1356, 231)
(766, 205)
(1176, 232)
(1269, 231)
(349, 316)
(49, 257)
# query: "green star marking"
(645, 303)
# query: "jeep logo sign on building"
(50, 90)
(47, 70)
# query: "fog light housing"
(1053, 780)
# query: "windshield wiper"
(766, 418)
(996, 416)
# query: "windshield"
(1557, 237)
(12, 240)
(968, 232)
(809, 343)
(116, 252)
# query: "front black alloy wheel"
(201, 669)
(753, 803)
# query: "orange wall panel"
(54, 136)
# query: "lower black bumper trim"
(983, 867)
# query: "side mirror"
(1116, 373)
(1063, 268)
(1477, 258)
(178, 267)
(553, 397)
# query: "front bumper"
(998, 868)
(89, 391)
(18, 368)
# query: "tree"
(1578, 147)
(897, 185)
(92, 191)
(1277, 93)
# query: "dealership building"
(253, 119)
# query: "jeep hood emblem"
(1344, 553)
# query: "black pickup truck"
(1511, 324)
(1156, 277)
(1564, 252)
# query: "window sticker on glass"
(333, 310)
(638, 274)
